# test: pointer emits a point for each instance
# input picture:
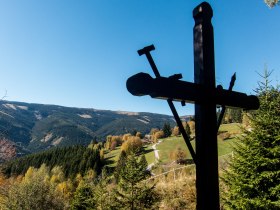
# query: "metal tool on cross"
(205, 95)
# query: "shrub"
(132, 145)
(158, 135)
(224, 135)
(176, 131)
(179, 155)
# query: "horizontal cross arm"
(177, 90)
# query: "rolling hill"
(36, 127)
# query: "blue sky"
(80, 53)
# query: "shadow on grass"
(228, 138)
(108, 161)
(186, 162)
(145, 151)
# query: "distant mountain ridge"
(35, 127)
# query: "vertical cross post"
(207, 183)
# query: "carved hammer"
(146, 51)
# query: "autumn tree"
(34, 192)
(271, 3)
(57, 175)
(132, 145)
(112, 142)
(187, 127)
(176, 131)
(108, 142)
(153, 131)
(139, 134)
(7, 150)
(126, 137)
(113, 145)
(66, 190)
(117, 139)
(158, 135)
(246, 120)
(5, 185)
(179, 155)
(252, 179)
(191, 125)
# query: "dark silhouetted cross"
(204, 94)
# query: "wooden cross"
(204, 94)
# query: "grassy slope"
(169, 144)
(224, 147)
(113, 156)
(232, 128)
(149, 154)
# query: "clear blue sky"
(80, 53)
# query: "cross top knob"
(203, 11)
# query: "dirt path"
(156, 152)
(156, 156)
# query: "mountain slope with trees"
(72, 160)
(37, 127)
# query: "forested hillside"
(36, 127)
(72, 160)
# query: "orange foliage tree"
(132, 145)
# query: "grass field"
(231, 128)
(113, 156)
(169, 144)
(149, 154)
(225, 146)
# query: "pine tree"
(253, 176)
(103, 193)
(233, 115)
(143, 163)
(120, 165)
(187, 129)
(131, 193)
(83, 197)
(166, 130)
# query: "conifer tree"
(103, 193)
(83, 197)
(166, 130)
(253, 176)
(120, 165)
(143, 164)
(131, 193)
